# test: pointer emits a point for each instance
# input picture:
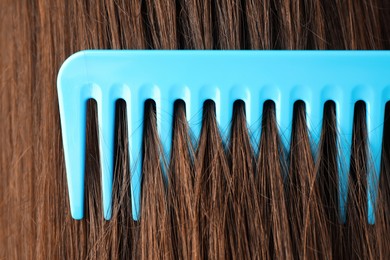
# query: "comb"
(254, 77)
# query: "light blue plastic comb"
(314, 77)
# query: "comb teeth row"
(224, 77)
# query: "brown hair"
(209, 198)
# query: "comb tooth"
(314, 112)
(375, 116)
(255, 110)
(194, 114)
(164, 124)
(222, 119)
(284, 115)
(224, 111)
(344, 115)
(106, 115)
(73, 108)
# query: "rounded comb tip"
(77, 214)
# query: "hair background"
(37, 36)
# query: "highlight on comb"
(284, 77)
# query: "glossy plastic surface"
(223, 76)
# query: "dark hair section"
(383, 201)
(214, 197)
(310, 235)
